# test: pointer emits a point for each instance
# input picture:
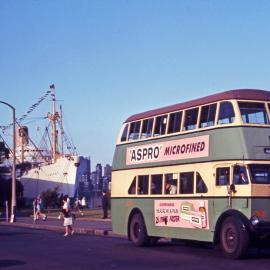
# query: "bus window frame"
(139, 133)
(148, 185)
(241, 168)
(162, 116)
(169, 120)
(267, 104)
(235, 114)
(175, 176)
(223, 166)
(216, 117)
(250, 101)
(184, 129)
(197, 174)
(151, 182)
(214, 121)
(151, 135)
(122, 131)
(198, 117)
(180, 183)
(130, 187)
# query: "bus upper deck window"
(147, 128)
(134, 131)
(253, 113)
(160, 125)
(175, 122)
(124, 134)
(208, 114)
(191, 117)
(226, 113)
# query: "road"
(23, 248)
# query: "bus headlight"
(254, 220)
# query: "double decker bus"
(198, 170)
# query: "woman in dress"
(67, 216)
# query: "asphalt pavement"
(91, 226)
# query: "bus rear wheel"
(137, 229)
(234, 238)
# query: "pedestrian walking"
(77, 206)
(105, 204)
(66, 209)
(38, 208)
(83, 205)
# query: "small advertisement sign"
(182, 213)
(195, 147)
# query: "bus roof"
(243, 94)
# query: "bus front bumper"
(258, 226)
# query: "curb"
(81, 231)
(82, 218)
(85, 219)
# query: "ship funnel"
(76, 161)
(22, 136)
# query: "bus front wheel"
(137, 229)
(234, 238)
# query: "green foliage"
(50, 197)
(5, 191)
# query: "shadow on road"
(206, 249)
(7, 263)
(14, 233)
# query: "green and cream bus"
(198, 170)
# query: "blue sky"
(111, 59)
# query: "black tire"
(234, 238)
(137, 230)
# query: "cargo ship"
(42, 168)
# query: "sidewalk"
(90, 226)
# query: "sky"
(110, 59)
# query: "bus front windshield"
(260, 173)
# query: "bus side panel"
(183, 220)
(120, 214)
(123, 207)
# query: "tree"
(5, 192)
(50, 197)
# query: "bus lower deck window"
(223, 176)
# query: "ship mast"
(62, 131)
(53, 117)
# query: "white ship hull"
(65, 174)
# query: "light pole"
(13, 185)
